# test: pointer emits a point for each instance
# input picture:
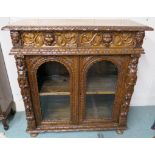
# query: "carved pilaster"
(25, 90)
(129, 88)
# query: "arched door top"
(43, 60)
(93, 61)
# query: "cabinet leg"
(33, 135)
(12, 112)
(120, 132)
(5, 124)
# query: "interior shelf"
(101, 85)
(95, 85)
(55, 87)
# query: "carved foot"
(34, 134)
(120, 132)
(12, 112)
(5, 125)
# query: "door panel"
(54, 93)
(101, 88)
(53, 84)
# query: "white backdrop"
(144, 93)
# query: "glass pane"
(100, 93)
(53, 84)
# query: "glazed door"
(101, 84)
(55, 89)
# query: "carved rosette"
(129, 87)
(78, 39)
(25, 90)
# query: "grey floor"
(140, 120)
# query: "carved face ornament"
(139, 38)
(49, 39)
(107, 39)
(15, 37)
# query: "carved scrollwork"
(25, 90)
(32, 39)
(68, 39)
(90, 39)
(123, 40)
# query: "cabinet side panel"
(131, 78)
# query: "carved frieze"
(78, 39)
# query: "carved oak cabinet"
(76, 74)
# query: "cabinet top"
(77, 24)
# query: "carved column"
(25, 91)
(129, 88)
